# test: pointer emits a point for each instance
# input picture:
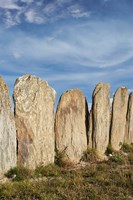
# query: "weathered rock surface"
(101, 118)
(129, 124)
(70, 125)
(118, 121)
(7, 130)
(34, 114)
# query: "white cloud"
(33, 17)
(75, 77)
(77, 12)
(104, 48)
(61, 2)
(27, 1)
(39, 12)
(90, 45)
(11, 20)
(49, 9)
(9, 4)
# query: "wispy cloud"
(78, 12)
(10, 19)
(67, 42)
(75, 77)
(50, 9)
(27, 1)
(9, 4)
(38, 12)
(33, 17)
(104, 48)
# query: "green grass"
(127, 148)
(107, 180)
(90, 155)
(19, 173)
(118, 157)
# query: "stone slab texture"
(118, 121)
(129, 123)
(101, 118)
(7, 130)
(34, 103)
(70, 125)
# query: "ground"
(93, 180)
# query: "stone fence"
(31, 134)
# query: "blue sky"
(69, 43)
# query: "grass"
(108, 180)
(118, 157)
(19, 173)
(90, 155)
(127, 148)
(48, 171)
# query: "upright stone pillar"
(7, 130)
(34, 114)
(101, 118)
(118, 121)
(129, 124)
(71, 125)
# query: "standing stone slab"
(101, 118)
(129, 124)
(70, 125)
(118, 121)
(34, 113)
(7, 130)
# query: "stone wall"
(34, 134)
